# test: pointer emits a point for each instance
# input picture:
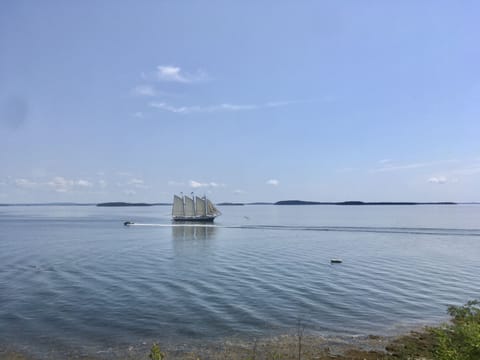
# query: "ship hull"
(196, 219)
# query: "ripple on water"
(74, 281)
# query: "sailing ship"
(194, 208)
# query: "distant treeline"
(119, 203)
(283, 202)
(300, 202)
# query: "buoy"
(336, 261)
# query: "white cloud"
(195, 184)
(169, 73)
(226, 107)
(138, 115)
(131, 183)
(437, 180)
(164, 106)
(137, 183)
(442, 180)
(62, 185)
(175, 74)
(239, 192)
(144, 90)
(25, 183)
(129, 192)
(83, 183)
(273, 182)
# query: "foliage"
(156, 353)
(461, 339)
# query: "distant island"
(50, 204)
(301, 202)
(282, 202)
(119, 203)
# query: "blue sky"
(244, 101)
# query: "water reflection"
(193, 232)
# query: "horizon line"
(226, 203)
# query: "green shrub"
(461, 339)
(156, 353)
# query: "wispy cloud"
(59, 184)
(176, 183)
(391, 167)
(437, 180)
(62, 185)
(196, 184)
(388, 165)
(144, 90)
(442, 180)
(171, 73)
(84, 183)
(25, 183)
(346, 169)
(239, 192)
(132, 182)
(225, 107)
(137, 183)
(273, 182)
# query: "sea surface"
(75, 280)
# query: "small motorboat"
(127, 223)
(336, 261)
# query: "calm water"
(76, 278)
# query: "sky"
(240, 100)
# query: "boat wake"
(353, 229)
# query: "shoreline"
(313, 346)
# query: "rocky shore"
(298, 346)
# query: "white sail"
(211, 209)
(200, 206)
(177, 209)
(193, 208)
(189, 207)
